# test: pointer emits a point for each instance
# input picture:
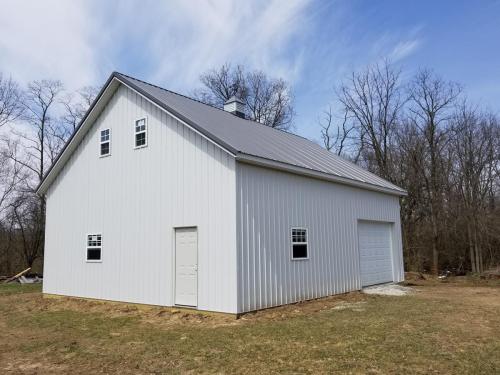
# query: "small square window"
(299, 243)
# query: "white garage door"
(375, 252)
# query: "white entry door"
(375, 252)
(186, 266)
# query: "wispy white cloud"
(404, 49)
(397, 45)
(80, 42)
(48, 39)
(203, 35)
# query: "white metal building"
(160, 199)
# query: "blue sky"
(312, 44)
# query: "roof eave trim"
(273, 164)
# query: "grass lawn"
(451, 327)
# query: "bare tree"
(76, 105)
(10, 101)
(336, 135)
(373, 98)
(40, 146)
(269, 101)
(11, 177)
(40, 98)
(432, 101)
(408, 161)
(25, 213)
(221, 84)
(475, 147)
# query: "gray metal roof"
(241, 136)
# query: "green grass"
(438, 330)
(15, 288)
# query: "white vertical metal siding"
(135, 198)
(269, 203)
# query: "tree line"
(422, 134)
(35, 123)
(427, 137)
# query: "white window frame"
(299, 243)
(101, 142)
(145, 131)
(87, 247)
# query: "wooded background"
(421, 133)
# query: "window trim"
(102, 142)
(87, 247)
(299, 243)
(145, 131)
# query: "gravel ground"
(388, 290)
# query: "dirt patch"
(303, 308)
(157, 315)
(164, 317)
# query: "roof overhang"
(278, 165)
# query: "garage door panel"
(375, 252)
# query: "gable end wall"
(135, 198)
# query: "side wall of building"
(270, 203)
(135, 198)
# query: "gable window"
(105, 142)
(94, 247)
(141, 133)
(299, 243)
